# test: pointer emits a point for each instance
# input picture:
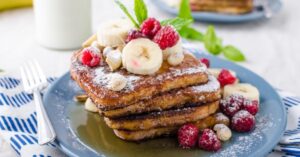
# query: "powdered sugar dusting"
(102, 78)
(211, 86)
(193, 70)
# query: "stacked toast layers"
(152, 105)
(223, 6)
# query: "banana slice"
(174, 49)
(117, 82)
(244, 89)
(90, 106)
(114, 33)
(142, 56)
(89, 41)
(175, 58)
(114, 59)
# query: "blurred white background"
(272, 47)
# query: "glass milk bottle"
(62, 24)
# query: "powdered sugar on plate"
(245, 143)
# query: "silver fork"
(34, 81)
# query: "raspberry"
(134, 34)
(90, 57)
(243, 121)
(150, 27)
(166, 37)
(205, 61)
(225, 78)
(251, 106)
(209, 141)
(188, 135)
(231, 104)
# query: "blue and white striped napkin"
(18, 125)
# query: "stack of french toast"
(223, 6)
(152, 105)
(144, 84)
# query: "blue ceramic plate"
(80, 133)
(257, 13)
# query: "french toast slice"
(223, 6)
(139, 135)
(139, 87)
(205, 93)
(163, 119)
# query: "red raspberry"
(231, 104)
(209, 141)
(166, 37)
(150, 27)
(205, 61)
(243, 121)
(90, 58)
(251, 106)
(225, 78)
(134, 34)
(187, 135)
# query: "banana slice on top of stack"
(114, 33)
(142, 56)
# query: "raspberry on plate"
(134, 34)
(242, 121)
(166, 37)
(150, 27)
(231, 104)
(205, 61)
(225, 77)
(90, 58)
(187, 136)
(251, 106)
(209, 141)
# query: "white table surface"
(272, 47)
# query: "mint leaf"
(211, 42)
(191, 33)
(177, 22)
(234, 54)
(124, 9)
(185, 10)
(140, 10)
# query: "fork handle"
(46, 132)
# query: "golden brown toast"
(139, 135)
(205, 93)
(163, 119)
(223, 6)
(94, 81)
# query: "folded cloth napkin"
(18, 126)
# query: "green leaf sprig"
(140, 10)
